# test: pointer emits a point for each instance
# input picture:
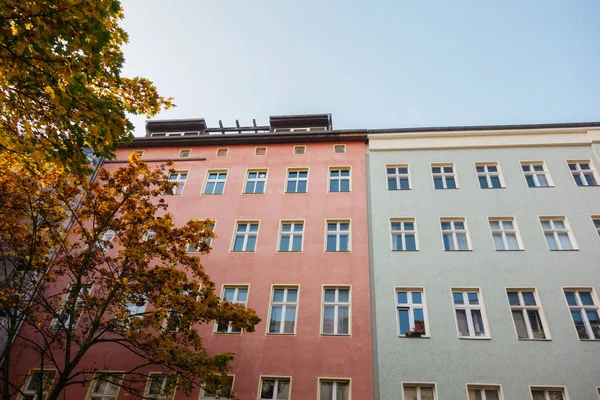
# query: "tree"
(60, 80)
(75, 288)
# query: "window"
(160, 387)
(443, 176)
(544, 393)
(488, 175)
(454, 234)
(191, 248)
(336, 311)
(338, 236)
(419, 391)
(105, 386)
(470, 316)
(290, 237)
(596, 221)
(224, 392)
(339, 179)
(583, 173)
(71, 306)
(504, 233)
(584, 311)
(334, 389)
(179, 178)
(274, 388)
(138, 153)
(397, 177)
(526, 313)
(284, 302)
(404, 234)
(487, 392)
(172, 323)
(184, 153)
(256, 181)
(149, 235)
(299, 149)
(215, 182)
(246, 234)
(339, 148)
(410, 305)
(297, 181)
(136, 308)
(260, 151)
(105, 240)
(222, 152)
(536, 174)
(237, 295)
(37, 379)
(557, 233)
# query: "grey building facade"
(485, 262)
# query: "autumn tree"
(61, 87)
(117, 275)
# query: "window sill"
(540, 187)
(403, 251)
(474, 338)
(501, 187)
(590, 340)
(295, 192)
(279, 334)
(335, 335)
(287, 251)
(337, 251)
(228, 333)
(458, 251)
(252, 193)
(212, 194)
(413, 337)
(564, 250)
(446, 188)
(534, 340)
(349, 191)
(509, 250)
(398, 190)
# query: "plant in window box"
(417, 331)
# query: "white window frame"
(596, 227)
(292, 234)
(338, 234)
(216, 180)
(76, 305)
(419, 386)
(555, 231)
(411, 307)
(30, 374)
(221, 150)
(582, 308)
(259, 149)
(468, 308)
(403, 232)
(483, 387)
(106, 239)
(489, 174)
(176, 177)
(336, 304)
(535, 174)
(341, 147)
(162, 396)
(246, 233)
(258, 178)
(503, 232)
(524, 310)
(185, 153)
(444, 175)
(217, 396)
(296, 149)
(547, 389)
(106, 396)
(208, 240)
(578, 171)
(236, 295)
(335, 382)
(284, 305)
(339, 178)
(454, 232)
(296, 179)
(398, 176)
(275, 387)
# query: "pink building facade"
(290, 208)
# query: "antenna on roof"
(221, 125)
(237, 123)
(254, 122)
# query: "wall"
(444, 358)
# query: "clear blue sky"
(372, 64)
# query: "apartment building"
(289, 204)
(484, 246)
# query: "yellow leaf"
(28, 26)
(50, 91)
(14, 30)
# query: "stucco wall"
(503, 359)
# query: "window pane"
(450, 183)
(448, 243)
(402, 298)
(530, 181)
(397, 242)
(571, 298)
(343, 320)
(404, 321)
(260, 187)
(283, 389)
(426, 393)
(513, 243)
(330, 295)
(495, 181)
(391, 171)
(498, 242)
(284, 243)
(229, 294)
(292, 295)
(437, 181)
(411, 243)
(326, 391)
(275, 324)
(238, 243)
(492, 394)
(278, 295)
(219, 188)
(475, 394)
(555, 395)
(565, 242)
(251, 244)
(461, 319)
(328, 317)
(417, 298)
(473, 298)
(594, 321)
(290, 319)
(458, 298)
(344, 243)
(495, 225)
(586, 298)
(513, 298)
(331, 242)
(419, 319)
(345, 185)
(529, 298)
(483, 182)
(478, 323)
(536, 324)
(480, 168)
(520, 324)
(344, 226)
(462, 241)
(302, 187)
(268, 387)
(543, 180)
(392, 184)
(249, 187)
(579, 325)
(242, 295)
(551, 242)
(404, 184)
(297, 244)
(291, 187)
(538, 395)
(334, 185)
(343, 391)
(343, 295)
(410, 393)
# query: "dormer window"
(185, 153)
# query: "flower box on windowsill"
(413, 334)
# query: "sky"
(371, 64)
